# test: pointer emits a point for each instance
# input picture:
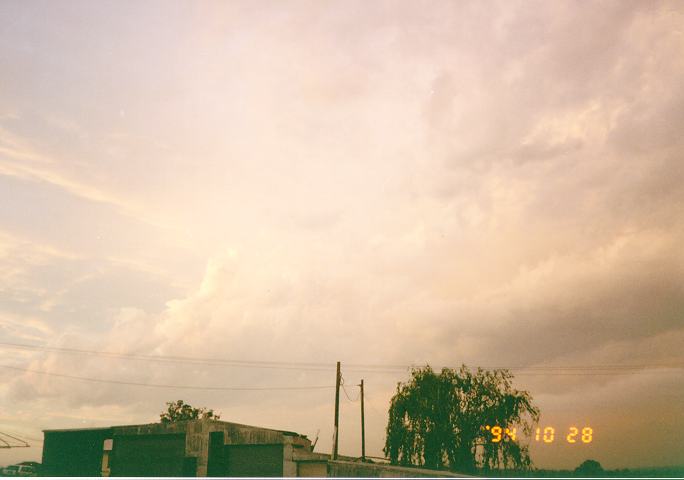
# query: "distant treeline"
(657, 472)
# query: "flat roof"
(75, 429)
(284, 432)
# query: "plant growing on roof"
(179, 410)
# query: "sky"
(499, 184)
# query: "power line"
(370, 402)
(598, 373)
(9, 445)
(157, 385)
(33, 439)
(346, 394)
(174, 359)
(609, 369)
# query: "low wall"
(339, 468)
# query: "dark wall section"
(254, 460)
(149, 456)
(218, 461)
(76, 453)
(190, 467)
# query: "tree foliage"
(438, 420)
(179, 410)
(589, 468)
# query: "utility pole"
(336, 432)
(363, 428)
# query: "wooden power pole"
(336, 432)
(363, 428)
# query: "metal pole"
(336, 432)
(363, 428)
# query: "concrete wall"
(197, 444)
(312, 469)
(358, 469)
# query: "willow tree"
(440, 420)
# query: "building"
(189, 448)
(199, 448)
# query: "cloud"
(14, 165)
(495, 184)
(24, 328)
(18, 257)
